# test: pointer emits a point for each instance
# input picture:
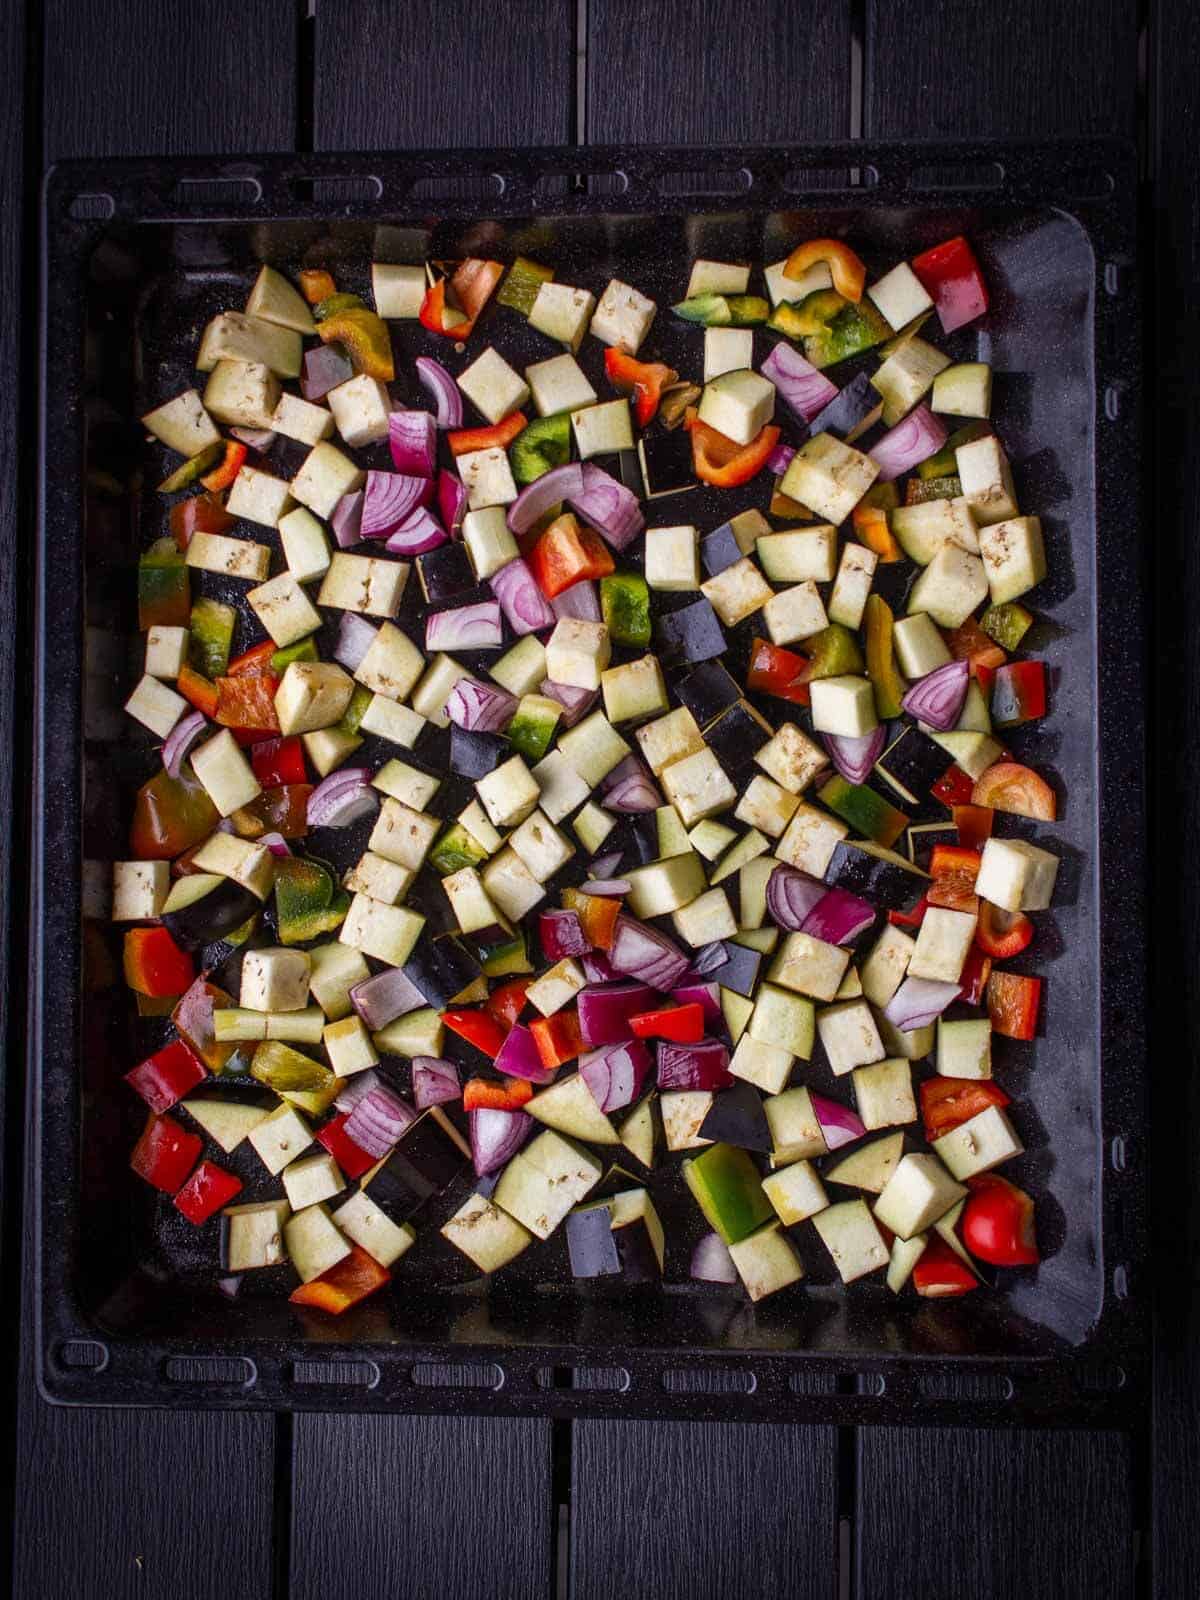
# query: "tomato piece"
(253, 663)
(170, 815)
(155, 965)
(197, 690)
(682, 1024)
(164, 1078)
(558, 1038)
(1002, 934)
(480, 1028)
(947, 1103)
(1009, 786)
(507, 1001)
(722, 461)
(953, 788)
(779, 672)
(352, 1158)
(199, 513)
(345, 1284)
(1013, 1002)
(485, 1094)
(208, 1189)
(165, 1153)
(974, 824)
(223, 474)
(972, 980)
(940, 1273)
(845, 268)
(998, 1222)
(248, 703)
(566, 554)
(644, 380)
(499, 436)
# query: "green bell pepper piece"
(726, 1186)
(709, 310)
(211, 636)
(333, 303)
(192, 469)
(1007, 624)
(544, 443)
(521, 284)
(355, 711)
(307, 903)
(454, 850)
(833, 652)
(164, 587)
(747, 310)
(625, 607)
(302, 650)
(944, 464)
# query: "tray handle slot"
(829, 178)
(211, 1371)
(202, 193)
(476, 1375)
(709, 1380)
(336, 1374)
(958, 175)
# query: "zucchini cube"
(923, 529)
(672, 562)
(964, 1048)
(809, 966)
(964, 390)
(665, 886)
(602, 429)
(492, 386)
(979, 1144)
(360, 408)
(849, 1233)
(698, 787)
(398, 291)
(509, 794)
(986, 478)
(560, 787)
(305, 546)
(233, 336)
(544, 1180)
(139, 889)
(225, 773)
(430, 696)
(312, 695)
(884, 1093)
(705, 919)
(796, 1192)
(275, 979)
(767, 1066)
(828, 476)
(252, 865)
(312, 1179)
(559, 385)
(592, 826)
(540, 845)
(182, 424)
(884, 969)
(943, 941)
(737, 404)
(324, 477)
(791, 758)
(252, 1235)
(916, 1195)
(795, 1130)
(370, 1227)
(795, 613)
(593, 748)
(622, 317)
(469, 901)
(284, 609)
(392, 664)
(810, 840)
(1014, 557)
(274, 299)
(717, 277)
(1016, 875)
(848, 1032)
(314, 1243)
(798, 554)
(950, 588)
(300, 419)
(335, 971)
(577, 652)
(852, 585)
(368, 585)
(491, 546)
(766, 1261)
(562, 312)
(634, 691)
(766, 806)
(844, 706)
(920, 648)
(382, 879)
(280, 1138)
(906, 376)
(670, 738)
(327, 748)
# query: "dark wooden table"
(187, 1505)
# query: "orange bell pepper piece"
(722, 461)
(845, 268)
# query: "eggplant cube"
(183, 424)
(1014, 557)
(811, 839)
(312, 1179)
(795, 1129)
(783, 1020)
(634, 690)
(592, 749)
(951, 587)
(698, 787)
(727, 350)
(683, 1114)
(849, 1233)
(156, 706)
(705, 919)
(398, 290)
(665, 886)
(430, 696)
(139, 889)
(844, 706)
(250, 864)
(510, 885)
(906, 376)
(920, 648)
(765, 805)
(964, 390)
(884, 1093)
(849, 1035)
(987, 481)
(469, 901)
(275, 979)
(767, 1066)
(388, 719)
(592, 826)
(795, 613)
(964, 1048)
(622, 317)
(362, 1221)
(979, 1144)
(349, 1047)
(225, 773)
(543, 1181)
(556, 987)
(509, 794)
(231, 558)
(561, 787)
(796, 1192)
(884, 969)
(280, 1138)
(810, 966)
(791, 758)
(392, 663)
(324, 477)
(900, 296)
(284, 609)
(559, 385)
(766, 1261)
(669, 739)
(943, 941)
(305, 546)
(314, 1243)
(388, 933)
(492, 386)
(301, 420)
(166, 652)
(312, 695)
(486, 1235)
(672, 560)
(737, 592)
(1016, 875)
(541, 846)
(380, 878)
(916, 1195)
(577, 653)
(360, 407)
(603, 429)
(828, 476)
(852, 586)
(233, 336)
(252, 1235)
(403, 835)
(562, 312)
(491, 546)
(242, 394)
(738, 404)
(367, 585)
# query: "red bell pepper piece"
(479, 1028)
(558, 1038)
(910, 919)
(1009, 786)
(1002, 934)
(193, 1017)
(953, 870)
(228, 468)
(972, 980)
(473, 284)
(974, 824)
(997, 1222)
(164, 1078)
(197, 690)
(1013, 1003)
(279, 761)
(440, 315)
(248, 703)
(199, 513)
(722, 461)
(485, 1094)
(1018, 693)
(644, 380)
(597, 915)
(845, 268)
(683, 1024)
(154, 963)
(783, 673)
(953, 788)
(165, 1153)
(208, 1189)
(566, 554)
(170, 815)
(940, 1273)
(316, 285)
(253, 663)
(343, 1285)
(947, 1103)
(499, 436)
(950, 275)
(507, 1001)
(351, 1157)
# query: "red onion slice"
(780, 458)
(838, 917)
(389, 499)
(355, 637)
(523, 603)
(356, 1088)
(604, 504)
(791, 895)
(913, 440)
(937, 699)
(346, 521)
(435, 1081)
(420, 533)
(480, 707)
(575, 702)
(645, 953)
(634, 794)
(693, 1066)
(918, 1002)
(476, 627)
(707, 996)
(447, 398)
(604, 1013)
(839, 1124)
(560, 483)
(496, 1136)
(519, 1057)
(580, 601)
(412, 438)
(384, 997)
(711, 1261)
(606, 888)
(805, 390)
(597, 968)
(379, 1121)
(604, 866)
(854, 757)
(341, 798)
(615, 1074)
(276, 844)
(181, 739)
(561, 934)
(451, 501)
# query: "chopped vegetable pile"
(681, 860)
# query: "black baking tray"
(137, 255)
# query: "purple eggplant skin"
(224, 908)
(591, 1243)
(736, 1117)
(693, 633)
(708, 689)
(639, 1262)
(440, 969)
(425, 1162)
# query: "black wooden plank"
(1175, 563)
(946, 1513)
(713, 71)
(1024, 68)
(125, 1503)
